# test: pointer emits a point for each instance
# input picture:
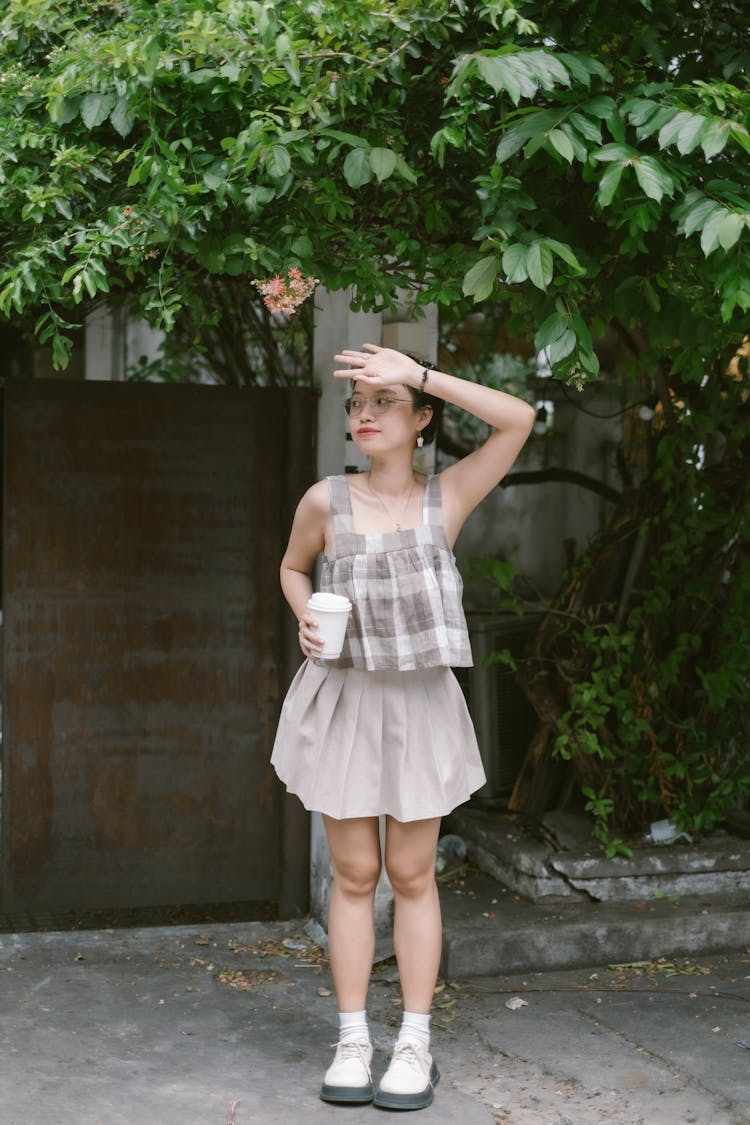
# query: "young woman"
(384, 729)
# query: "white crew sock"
(353, 1025)
(416, 1026)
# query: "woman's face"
(383, 418)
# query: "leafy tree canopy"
(576, 160)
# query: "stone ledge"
(500, 845)
(575, 935)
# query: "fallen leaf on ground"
(246, 979)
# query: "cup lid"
(330, 602)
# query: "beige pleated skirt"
(354, 743)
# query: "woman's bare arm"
(467, 482)
(306, 541)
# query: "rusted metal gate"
(146, 645)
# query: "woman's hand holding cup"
(310, 640)
(331, 614)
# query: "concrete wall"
(528, 525)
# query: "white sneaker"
(348, 1078)
(410, 1079)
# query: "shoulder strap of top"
(433, 502)
(341, 505)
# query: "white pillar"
(104, 344)
(336, 327)
(114, 342)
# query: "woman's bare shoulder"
(317, 500)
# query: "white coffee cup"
(331, 611)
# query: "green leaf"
(383, 161)
(216, 175)
(730, 230)
(695, 211)
(561, 143)
(578, 68)
(609, 183)
(550, 330)
(614, 152)
(96, 108)
(715, 138)
(514, 263)
(404, 170)
(589, 130)
(500, 74)
(691, 133)
(740, 134)
(480, 279)
(122, 117)
(347, 138)
(546, 68)
(653, 178)
(534, 125)
(540, 265)
(589, 361)
(562, 346)
(63, 110)
(357, 168)
(564, 252)
(62, 346)
(669, 132)
(639, 110)
(302, 247)
(602, 107)
(278, 161)
(710, 232)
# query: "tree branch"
(562, 476)
(447, 444)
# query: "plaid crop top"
(404, 587)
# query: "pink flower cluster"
(285, 295)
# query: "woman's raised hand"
(379, 367)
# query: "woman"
(384, 729)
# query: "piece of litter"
(296, 946)
(666, 832)
(314, 930)
(515, 1003)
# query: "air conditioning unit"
(503, 717)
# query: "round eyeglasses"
(378, 405)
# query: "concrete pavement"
(232, 1024)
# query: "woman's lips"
(364, 431)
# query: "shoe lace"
(353, 1049)
(407, 1052)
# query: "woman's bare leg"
(417, 928)
(355, 853)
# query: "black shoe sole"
(385, 1100)
(346, 1095)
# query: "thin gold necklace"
(380, 501)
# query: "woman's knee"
(410, 880)
(357, 877)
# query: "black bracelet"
(425, 373)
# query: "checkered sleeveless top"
(404, 587)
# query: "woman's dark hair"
(421, 398)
